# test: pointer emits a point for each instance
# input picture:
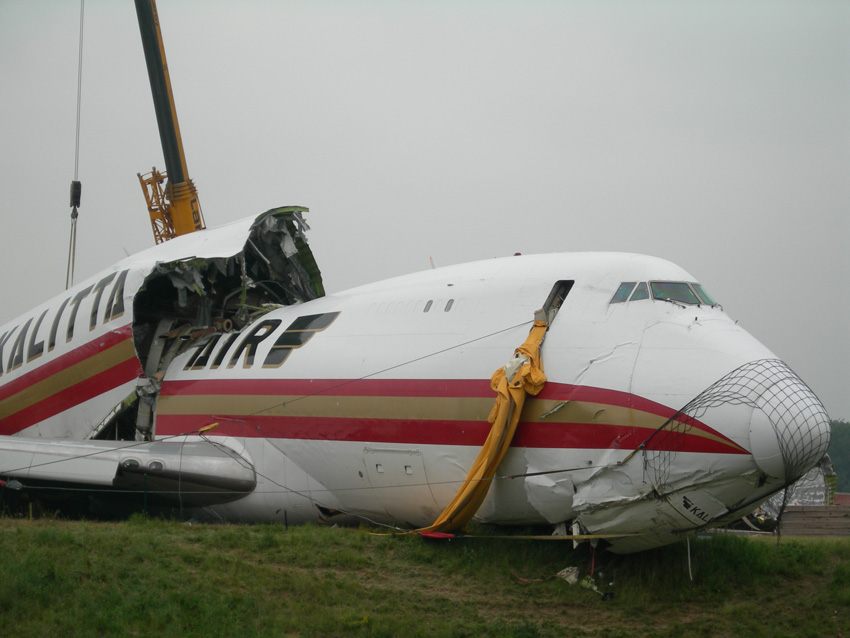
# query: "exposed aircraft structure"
(659, 415)
(130, 320)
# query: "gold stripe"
(426, 408)
(587, 412)
(64, 379)
(419, 408)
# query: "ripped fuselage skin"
(659, 417)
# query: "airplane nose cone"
(789, 427)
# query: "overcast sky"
(713, 134)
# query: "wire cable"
(374, 374)
(79, 92)
(76, 187)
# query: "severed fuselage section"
(183, 301)
(88, 365)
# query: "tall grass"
(149, 577)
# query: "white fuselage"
(381, 412)
(374, 402)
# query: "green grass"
(147, 577)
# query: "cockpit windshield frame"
(689, 293)
(623, 292)
(702, 293)
(641, 292)
(676, 291)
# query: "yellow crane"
(171, 197)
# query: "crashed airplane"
(212, 375)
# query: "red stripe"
(86, 389)
(462, 388)
(437, 388)
(430, 432)
(93, 347)
(443, 388)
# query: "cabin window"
(623, 292)
(428, 305)
(449, 304)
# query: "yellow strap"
(504, 416)
(511, 537)
(568, 537)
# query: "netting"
(799, 420)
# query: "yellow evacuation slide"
(523, 375)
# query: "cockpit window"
(641, 292)
(674, 291)
(623, 292)
(703, 294)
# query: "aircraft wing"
(191, 473)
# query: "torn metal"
(225, 285)
(816, 487)
(131, 321)
(137, 317)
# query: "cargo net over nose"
(799, 420)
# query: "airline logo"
(40, 382)
(296, 335)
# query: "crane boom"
(175, 208)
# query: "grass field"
(147, 577)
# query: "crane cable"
(76, 186)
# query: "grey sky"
(716, 135)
